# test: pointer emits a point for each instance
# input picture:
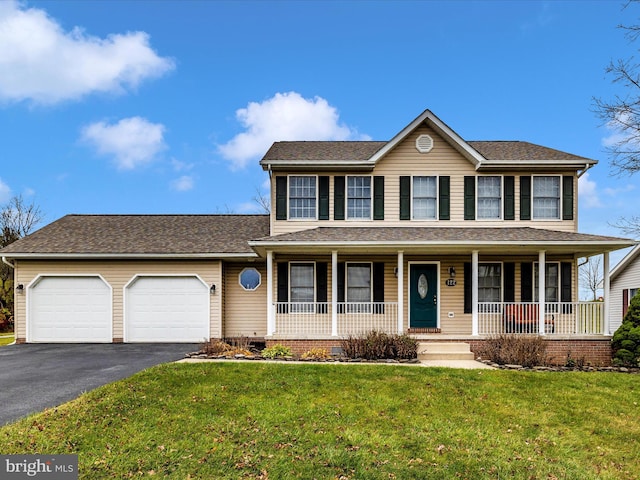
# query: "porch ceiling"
(439, 240)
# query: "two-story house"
(426, 234)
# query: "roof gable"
(364, 155)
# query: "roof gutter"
(7, 262)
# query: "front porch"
(317, 319)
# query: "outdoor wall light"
(213, 289)
(20, 288)
(452, 272)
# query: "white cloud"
(285, 116)
(612, 192)
(133, 142)
(5, 192)
(587, 190)
(42, 62)
(180, 166)
(183, 184)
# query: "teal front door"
(423, 296)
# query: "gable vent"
(424, 143)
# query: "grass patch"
(273, 421)
(6, 339)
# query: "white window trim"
(315, 287)
(437, 217)
(501, 279)
(301, 219)
(259, 279)
(501, 217)
(346, 199)
(346, 277)
(535, 279)
(533, 216)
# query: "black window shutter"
(469, 198)
(567, 197)
(341, 295)
(321, 286)
(283, 282)
(378, 198)
(467, 288)
(526, 282)
(338, 198)
(281, 198)
(444, 202)
(566, 269)
(405, 198)
(323, 198)
(525, 198)
(378, 282)
(509, 282)
(509, 198)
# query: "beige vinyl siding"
(628, 278)
(118, 273)
(406, 160)
(245, 312)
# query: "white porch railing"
(564, 318)
(315, 318)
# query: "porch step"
(444, 351)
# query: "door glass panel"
(423, 286)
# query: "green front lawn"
(281, 421)
(6, 339)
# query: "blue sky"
(167, 106)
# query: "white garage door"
(167, 309)
(69, 309)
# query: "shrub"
(316, 354)
(277, 351)
(625, 344)
(215, 347)
(525, 350)
(378, 345)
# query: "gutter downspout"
(7, 262)
(586, 168)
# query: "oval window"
(250, 279)
(423, 286)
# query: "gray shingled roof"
(362, 151)
(160, 235)
(436, 234)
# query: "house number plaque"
(451, 282)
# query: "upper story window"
(489, 197)
(425, 198)
(302, 197)
(490, 282)
(551, 282)
(359, 198)
(546, 198)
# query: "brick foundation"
(596, 352)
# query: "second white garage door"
(166, 309)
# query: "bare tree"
(17, 219)
(590, 276)
(262, 200)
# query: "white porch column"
(334, 293)
(606, 281)
(474, 293)
(271, 318)
(542, 269)
(400, 293)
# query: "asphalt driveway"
(38, 376)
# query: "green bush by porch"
(626, 340)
